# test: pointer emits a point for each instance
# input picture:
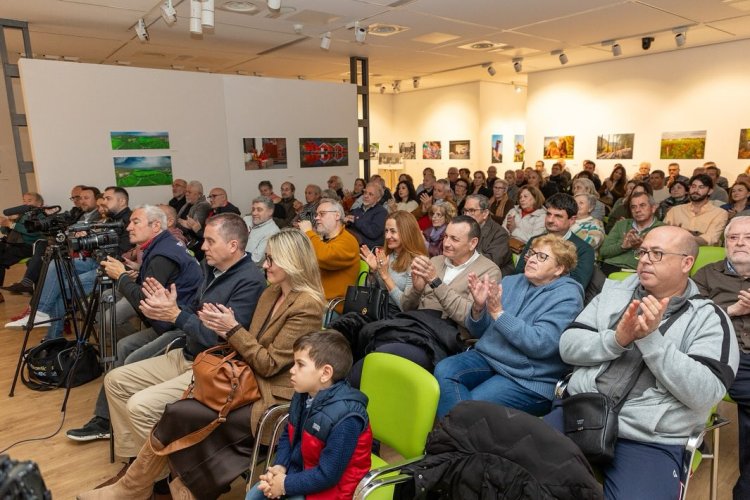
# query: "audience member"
(452, 177)
(75, 198)
(585, 226)
(479, 186)
(165, 260)
(265, 188)
(500, 203)
(681, 349)
(335, 183)
(460, 190)
(535, 179)
(287, 204)
(368, 222)
(307, 211)
(178, 194)
(194, 213)
(493, 241)
(701, 218)
(719, 194)
(678, 195)
(589, 166)
(725, 283)
(738, 198)
(426, 184)
(644, 171)
(526, 220)
(261, 227)
(518, 322)
(661, 191)
(465, 174)
(561, 210)
(673, 169)
(351, 196)
(491, 176)
(440, 217)
(559, 177)
(336, 250)
(19, 241)
(613, 187)
(621, 207)
(720, 180)
(627, 235)
(586, 186)
(405, 197)
(510, 179)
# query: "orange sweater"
(338, 259)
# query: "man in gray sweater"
(681, 348)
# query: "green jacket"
(611, 250)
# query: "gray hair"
(588, 183)
(484, 203)
(196, 185)
(155, 214)
(651, 200)
(590, 199)
(335, 205)
(329, 194)
(378, 188)
(738, 218)
(265, 200)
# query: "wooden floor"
(69, 467)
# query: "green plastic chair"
(620, 275)
(695, 454)
(707, 255)
(402, 405)
(364, 270)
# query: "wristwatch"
(436, 282)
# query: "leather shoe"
(19, 288)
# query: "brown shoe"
(116, 477)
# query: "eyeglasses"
(654, 255)
(323, 212)
(472, 211)
(74, 198)
(268, 260)
(212, 196)
(540, 256)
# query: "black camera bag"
(48, 365)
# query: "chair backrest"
(402, 405)
(363, 268)
(620, 275)
(708, 255)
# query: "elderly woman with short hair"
(516, 361)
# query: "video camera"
(47, 220)
(101, 239)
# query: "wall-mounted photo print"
(374, 148)
(519, 148)
(137, 171)
(497, 148)
(432, 150)
(273, 153)
(683, 145)
(459, 150)
(139, 140)
(559, 146)
(324, 152)
(615, 147)
(743, 152)
(408, 150)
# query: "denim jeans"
(255, 494)
(468, 376)
(51, 299)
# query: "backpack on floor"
(48, 365)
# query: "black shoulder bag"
(590, 419)
(370, 301)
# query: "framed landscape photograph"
(138, 171)
(497, 148)
(324, 152)
(559, 146)
(743, 151)
(519, 148)
(615, 147)
(139, 140)
(432, 150)
(408, 150)
(689, 145)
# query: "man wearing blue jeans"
(680, 349)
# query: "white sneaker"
(21, 323)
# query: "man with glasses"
(220, 203)
(727, 283)
(493, 243)
(367, 222)
(700, 217)
(453, 177)
(677, 349)
(336, 249)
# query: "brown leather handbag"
(222, 382)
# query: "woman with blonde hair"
(290, 307)
(500, 203)
(440, 216)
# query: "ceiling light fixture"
(141, 31)
(382, 89)
(196, 28)
(397, 86)
(207, 13)
(616, 49)
(518, 64)
(680, 36)
(360, 32)
(646, 42)
(490, 69)
(560, 53)
(517, 88)
(415, 82)
(325, 41)
(168, 13)
(274, 5)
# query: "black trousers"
(740, 392)
(12, 253)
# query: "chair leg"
(715, 464)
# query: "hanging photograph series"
(138, 171)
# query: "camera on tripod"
(101, 239)
(39, 220)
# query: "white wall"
(72, 108)
(703, 88)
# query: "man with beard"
(704, 220)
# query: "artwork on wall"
(689, 145)
(325, 152)
(136, 171)
(519, 148)
(250, 154)
(389, 159)
(615, 147)
(559, 146)
(273, 153)
(497, 148)
(743, 151)
(374, 148)
(408, 150)
(139, 140)
(432, 150)
(459, 150)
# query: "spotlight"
(274, 5)
(518, 64)
(646, 42)
(680, 38)
(397, 86)
(207, 13)
(563, 58)
(196, 28)
(168, 13)
(415, 82)
(360, 32)
(491, 70)
(616, 49)
(325, 41)
(141, 31)
(517, 88)
(382, 89)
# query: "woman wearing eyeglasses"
(290, 307)
(500, 203)
(516, 362)
(440, 216)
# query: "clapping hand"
(218, 317)
(159, 303)
(634, 326)
(742, 306)
(494, 299)
(478, 287)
